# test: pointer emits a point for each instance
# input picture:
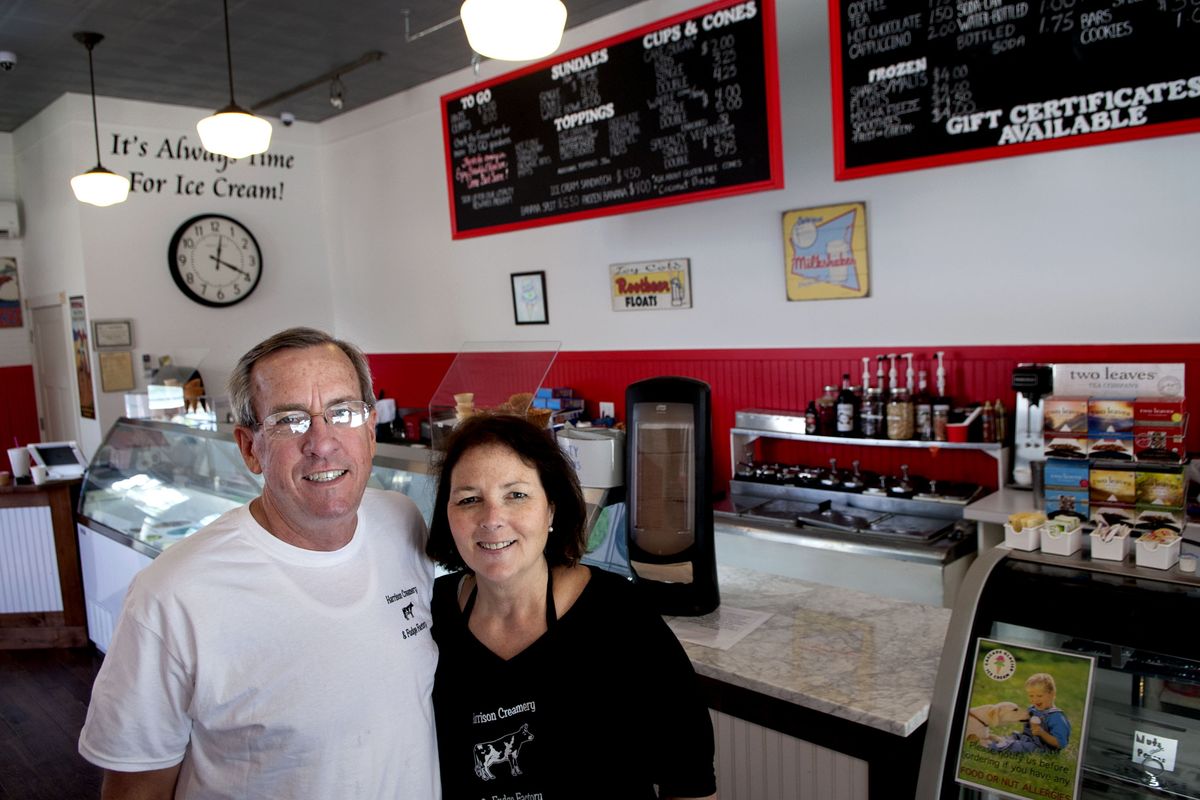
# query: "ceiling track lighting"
(97, 186)
(233, 131)
(333, 74)
(507, 30)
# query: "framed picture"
(825, 252)
(529, 298)
(10, 294)
(112, 334)
(116, 371)
(651, 285)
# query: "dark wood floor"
(43, 700)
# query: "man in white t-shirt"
(284, 650)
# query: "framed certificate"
(116, 371)
(112, 334)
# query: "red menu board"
(676, 111)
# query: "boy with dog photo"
(1018, 738)
(1046, 727)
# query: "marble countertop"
(857, 656)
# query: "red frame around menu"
(774, 135)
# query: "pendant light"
(233, 131)
(97, 186)
(514, 30)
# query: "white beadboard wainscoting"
(757, 763)
(28, 563)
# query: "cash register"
(62, 460)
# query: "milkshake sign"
(651, 285)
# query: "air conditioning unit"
(10, 226)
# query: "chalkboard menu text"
(922, 83)
(680, 110)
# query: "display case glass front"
(1132, 729)
(488, 377)
(157, 482)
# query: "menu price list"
(679, 110)
(943, 81)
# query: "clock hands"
(227, 265)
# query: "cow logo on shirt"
(505, 748)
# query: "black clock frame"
(177, 276)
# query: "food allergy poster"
(923, 83)
(679, 110)
(1023, 730)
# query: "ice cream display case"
(1065, 677)
(152, 484)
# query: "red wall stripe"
(786, 379)
(18, 408)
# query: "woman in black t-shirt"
(552, 681)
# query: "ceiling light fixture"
(233, 131)
(337, 93)
(514, 30)
(97, 186)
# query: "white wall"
(8, 177)
(14, 342)
(117, 257)
(1091, 245)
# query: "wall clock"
(215, 260)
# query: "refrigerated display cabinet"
(151, 484)
(1141, 730)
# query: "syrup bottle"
(923, 409)
(847, 409)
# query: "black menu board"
(921, 83)
(680, 110)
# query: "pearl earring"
(551, 529)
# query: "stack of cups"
(19, 458)
(464, 405)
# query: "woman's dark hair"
(537, 447)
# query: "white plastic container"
(1028, 538)
(1111, 544)
(598, 455)
(1058, 542)
(1157, 554)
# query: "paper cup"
(19, 458)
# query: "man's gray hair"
(241, 389)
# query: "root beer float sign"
(680, 110)
(923, 83)
(651, 285)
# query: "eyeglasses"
(289, 424)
